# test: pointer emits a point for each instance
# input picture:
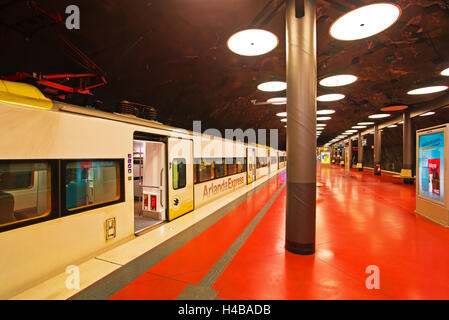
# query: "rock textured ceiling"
(172, 54)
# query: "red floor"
(362, 220)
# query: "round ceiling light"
(324, 118)
(428, 90)
(277, 101)
(272, 86)
(282, 114)
(445, 72)
(284, 120)
(379, 116)
(331, 97)
(365, 21)
(252, 42)
(394, 108)
(325, 112)
(338, 81)
(431, 113)
(365, 123)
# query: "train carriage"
(67, 173)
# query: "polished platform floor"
(362, 220)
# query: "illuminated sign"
(431, 166)
(325, 158)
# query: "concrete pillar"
(348, 164)
(377, 150)
(301, 130)
(407, 146)
(360, 152)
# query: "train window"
(262, 162)
(241, 165)
(219, 168)
(91, 183)
(205, 170)
(25, 191)
(274, 160)
(215, 168)
(179, 173)
(231, 166)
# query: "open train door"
(180, 177)
(251, 156)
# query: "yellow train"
(76, 181)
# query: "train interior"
(149, 184)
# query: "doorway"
(149, 184)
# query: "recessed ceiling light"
(321, 125)
(272, 86)
(325, 112)
(331, 97)
(359, 127)
(284, 120)
(351, 131)
(393, 126)
(394, 108)
(445, 72)
(379, 116)
(277, 101)
(402, 122)
(338, 81)
(282, 114)
(252, 42)
(365, 123)
(324, 118)
(427, 114)
(428, 90)
(365, 21)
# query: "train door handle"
(162, 186)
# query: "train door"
(149, 184)
(251, 156)
(180, 177)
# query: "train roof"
(26, 95)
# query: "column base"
(377, 173)
(409, 181)
(304, 249)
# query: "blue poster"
(431, 166)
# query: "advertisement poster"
(431, 166)
(325, 158)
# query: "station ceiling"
(172, 55)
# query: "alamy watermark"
(73, 21)
(373, 281)
(73, 280)
(211, 144)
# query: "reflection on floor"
(362, 221)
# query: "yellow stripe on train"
(24, 95)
